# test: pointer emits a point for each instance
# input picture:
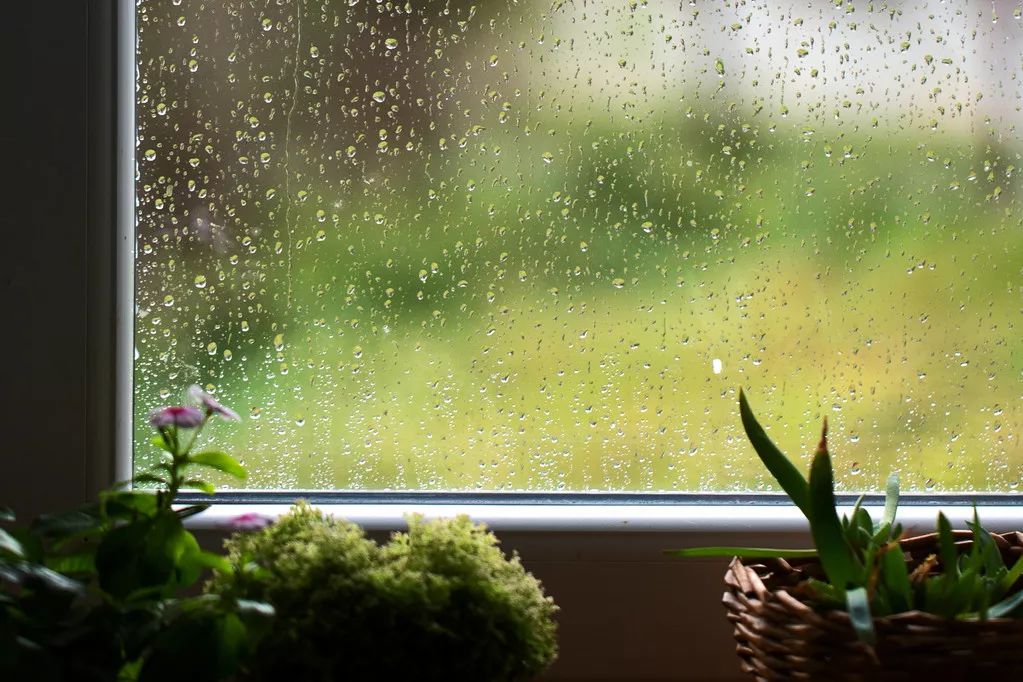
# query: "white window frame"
(717, 518)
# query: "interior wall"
(43, 263)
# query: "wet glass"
(541, 245)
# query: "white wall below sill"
(628, 612)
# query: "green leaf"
(825, 527)
(203, 644)
(220, 461)
(36, 577)
(199, 484)
(983, 542)
(214, 561)
(120, 560)
(891, 500)
(947, 547)
(856, 508)
(143, 557)
(192, 510)
(74, 523)
(826, 592)
(6, 514)
(10, 545)
(128, 504)
(1014, 574)
(159, 441)
(258, 609)
(69, 564)
(783, 471)
(149, 478)
(961, 595)
(864, 536)
(883, 535)
(858, 604)
(747, 552)
(190, 559)
(1006, 606)
(895, 580)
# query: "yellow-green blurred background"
(540, 246)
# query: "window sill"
(737, 519)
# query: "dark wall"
(44, 147)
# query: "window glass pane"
(540, 245)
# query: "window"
(539, 245)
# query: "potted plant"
(867, 603)
(437, 602)
(101, 593)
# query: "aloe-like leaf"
(864, 536)
(826, 592)
(825, 527)
(1013, 574)
(961, 594)
(895, 580)
(883, 534)
(857, 603)
(848, 522)
(1006, 606)
(856, 507)
(746, 552)
(947, 547)
(990, 557)
(891, 500)
(783, 471)
(867, 555)
(851, 524)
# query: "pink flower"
(250, 521)
(200, 397)
(184, 417)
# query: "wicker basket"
(780, 637)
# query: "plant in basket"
(866, 602)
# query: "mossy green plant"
(438, 602)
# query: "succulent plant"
(866, 570)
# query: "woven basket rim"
(781, 633)
(840, 616)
